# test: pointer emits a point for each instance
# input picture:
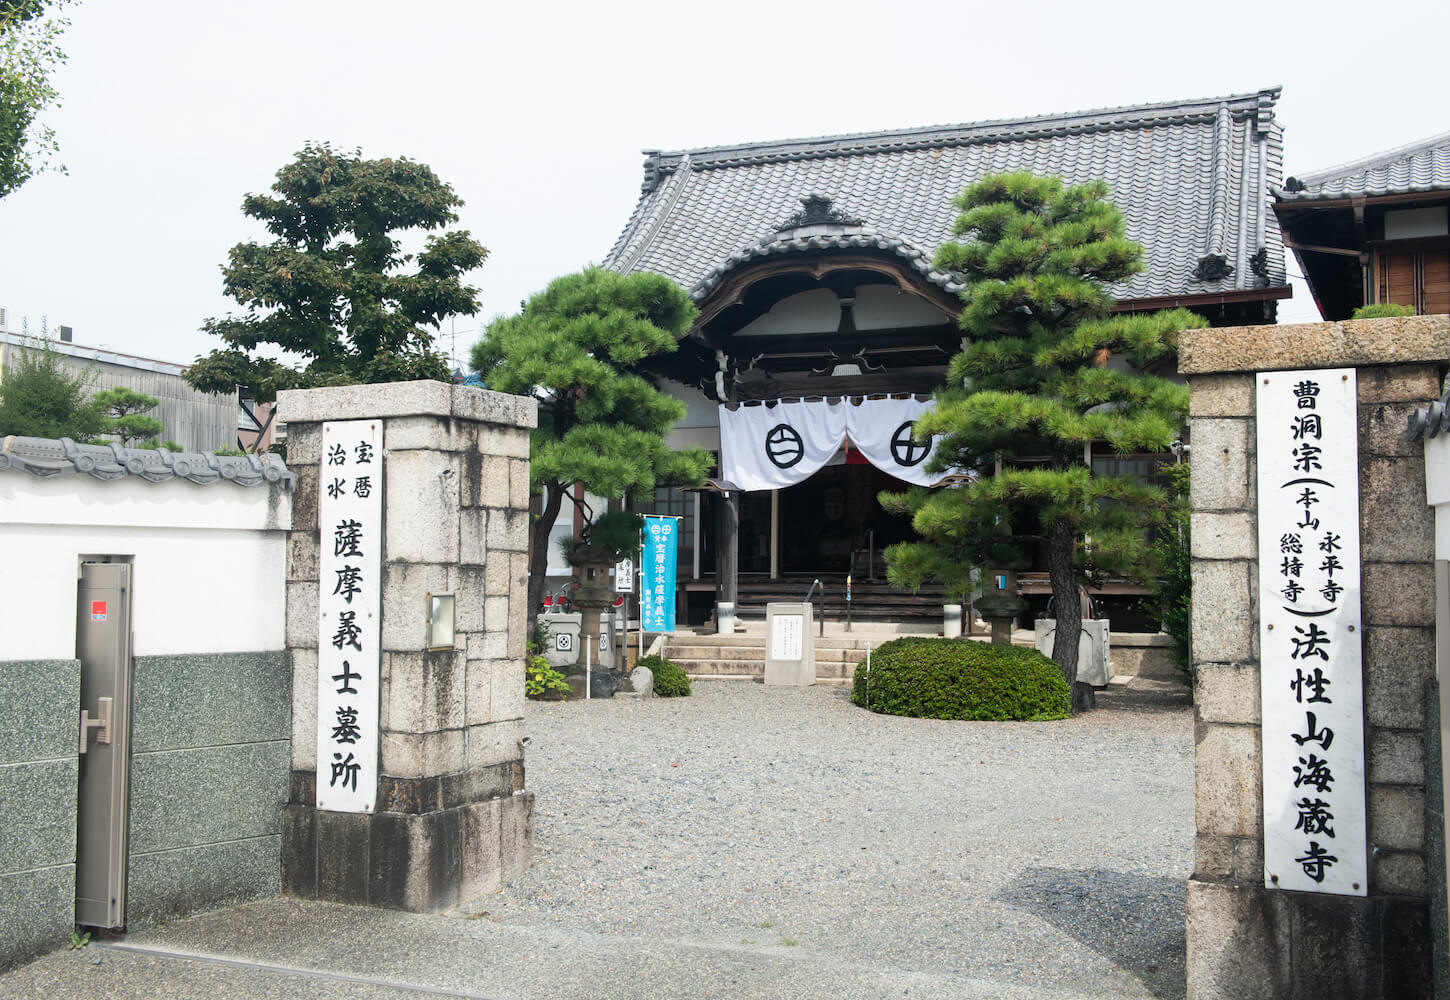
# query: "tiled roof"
(45, 457)
(1420, 166)
(1193, 179)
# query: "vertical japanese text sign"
(657, 574)
(1311, 667)
(349, 520)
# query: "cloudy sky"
(173, 110)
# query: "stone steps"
(743, 656)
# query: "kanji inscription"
(349, 518)
(1310, 633)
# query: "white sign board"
(624, 576)
(1310, 633)
(785, 637)
(350, 525)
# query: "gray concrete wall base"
(1248, 943)
(211, 755)
(39, 700)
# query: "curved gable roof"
(1192, 178)
(1419, 166)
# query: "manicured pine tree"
(577, 348)
(128, 417)
(1047, 369)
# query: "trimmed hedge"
(670, 678)
(929, 678)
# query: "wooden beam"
(1315, 248)
(1204, 298)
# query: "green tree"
(335, 287)
(1047, 370)
(41, 397)
(127, 416)
(29, 53)
(578, 348)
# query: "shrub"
(1380, 310)
(542, 681)
(929, 678)
(670, 678)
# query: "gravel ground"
(1046, 859)
(753, 842)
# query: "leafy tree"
(335, 286)
(578, 347)
(28, 55)
(126, 416)
(1036, 383)
(41, 397)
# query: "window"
(1418, 278)
(1145, 468)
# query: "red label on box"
(98, 611)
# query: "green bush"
(542, 681)
(1380, 310)
(929, 678)
(670, 678)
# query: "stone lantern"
(1000, 605)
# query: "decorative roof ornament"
(1259, 264)
(651, 171)
(1429, 421)
(1213, 267)
(818, 211)
(47, 457)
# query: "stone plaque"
(349, 601)
(785, 637)
(1310, 632)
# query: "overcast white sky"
(536, 114)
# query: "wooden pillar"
(775, 534)
(727, 546)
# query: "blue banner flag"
(657, 573)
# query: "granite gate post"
(407, 783)
(1312, 872)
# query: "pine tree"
(126, 416)
(577, 347)
(1047, 370)
(334, 287)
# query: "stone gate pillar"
(442, 814)
(1256, 928)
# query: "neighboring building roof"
(1192, 178)
(44, 457)
(100, 354)
(1420, 166)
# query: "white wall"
(209, 562)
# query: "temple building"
(824, 326)
(1374, 231)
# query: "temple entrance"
(829, 524)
